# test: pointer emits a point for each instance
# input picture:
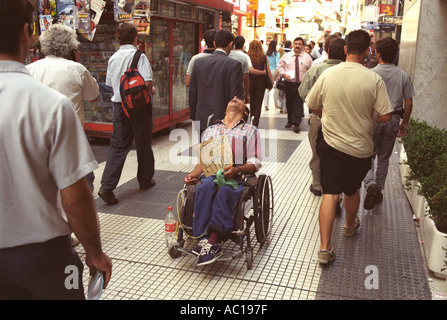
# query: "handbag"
(281, 84)
(268, 80)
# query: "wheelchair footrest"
(233, 256)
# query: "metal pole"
(254, 26)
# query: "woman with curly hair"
(257, 81)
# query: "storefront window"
(160, 66)
(95, 56)
(184, 47)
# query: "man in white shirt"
(137, 127)
(43, 152)
(293, 66)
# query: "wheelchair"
(255, 207)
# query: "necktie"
(297, 69)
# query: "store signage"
(386, 9)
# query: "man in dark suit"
(215, 80)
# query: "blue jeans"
(214, 207)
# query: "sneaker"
(198, 247)
(209, 254)
(325, 256)
(373, 197)
(349, 232)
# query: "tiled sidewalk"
(285, 268)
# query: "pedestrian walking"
(215, 79)
(401, 92)
(209, 41)
(137, 127)
(59, 44)
(352, 96)
(293, 66)
(238, 54)
(273, 59)
(257, 81)
(336, 55)
(44, 153)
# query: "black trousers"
(42, 271)
(257, 91)
(125, 130)
(294, 103)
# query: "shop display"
(168, 33)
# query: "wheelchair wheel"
(263, 207)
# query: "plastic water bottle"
(170, 228)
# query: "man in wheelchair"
(214, 205)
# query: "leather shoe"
(315, 191)
(296, 129)
(288, 125)
(108, 196)
(147, 185)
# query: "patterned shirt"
(244, 140)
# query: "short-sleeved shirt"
(244, 140)
(43, 149)
(243, 58)
(193, 60)
(119, 62)
(273, 60)
(70, 78)
(349, 93)
(398, 84)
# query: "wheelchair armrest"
(250, 179)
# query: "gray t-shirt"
(398, 84)
(242, 58)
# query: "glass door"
(160, 34)
(184, 41)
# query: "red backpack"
(132, 88)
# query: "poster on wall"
(47, 7)
(67, 13)
(124, 10)
(141, 17)
(134, 11)
(45, 21)
(89, 14)
(47, 11)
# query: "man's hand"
(230, 172)
(193, 176)
(190, 179)
(402, 130)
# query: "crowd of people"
(357, 111)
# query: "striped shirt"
(244, 140)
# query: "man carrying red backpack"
(127, 127)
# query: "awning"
(221, 5)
